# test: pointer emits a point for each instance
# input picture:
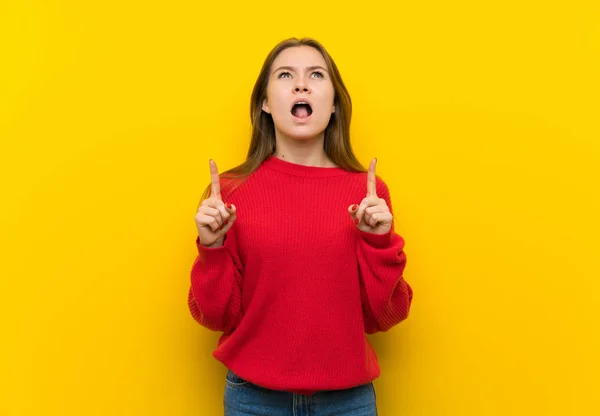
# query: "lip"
(305, 119)
(301, 120)
(300, 99)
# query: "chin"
(302, 134)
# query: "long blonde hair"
(262, 145)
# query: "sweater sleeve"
(214, 297)
(386, 296)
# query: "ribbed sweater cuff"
(207, 251)
(377, 240)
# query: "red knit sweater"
(296, 285)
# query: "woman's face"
(299, 74)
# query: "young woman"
(297, 253)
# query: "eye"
(314, 72)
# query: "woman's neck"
(308, 152)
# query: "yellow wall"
(485, 122)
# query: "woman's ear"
(265, 106)
(333, 109)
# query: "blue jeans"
(243, 398)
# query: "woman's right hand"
(214, 218)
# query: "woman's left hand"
(373, 214)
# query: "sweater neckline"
(284, 166)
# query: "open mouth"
(301, 110)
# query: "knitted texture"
(296, 285)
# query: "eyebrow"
(291, 68)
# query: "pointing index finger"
(371, 183)
(214, 179)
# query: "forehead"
(299, 56)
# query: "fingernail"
(356, 221)
(226, 222)
(354, 207)
(228, 205)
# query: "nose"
(301, 85)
